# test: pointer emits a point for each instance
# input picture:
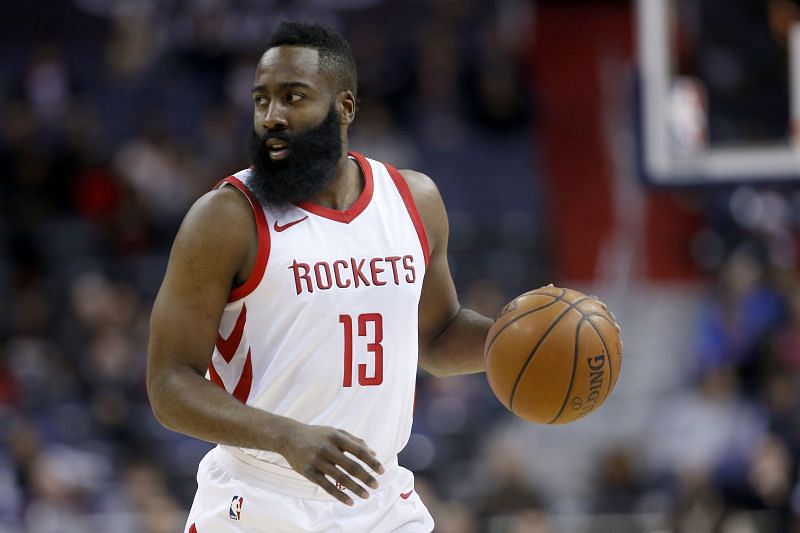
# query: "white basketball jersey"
(325, 329)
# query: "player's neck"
(345, 188)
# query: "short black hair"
(335, 57)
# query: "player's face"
(290, 94)
(296, 140)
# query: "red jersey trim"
(245, 383)
(242, 390)
(227, 347)
(263, 241)
(358, 207)
(214, 376)
(405, 193)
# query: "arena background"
(116, 115)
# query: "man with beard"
(300, 296)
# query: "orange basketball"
(553, 355)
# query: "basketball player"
(301, 295)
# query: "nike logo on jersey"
(288, 225)
(406, 495)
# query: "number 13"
(375, 347)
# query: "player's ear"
(346, 107)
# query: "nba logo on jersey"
(235, 510)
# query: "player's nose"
(275, 117)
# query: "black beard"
(310, 166)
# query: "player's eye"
(294, 97)
(259, 100)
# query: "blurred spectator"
(158, 172)
(623, 485)
(787, 339)
(509, 501)
(708, 431)
(734, 321)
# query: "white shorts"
(233, 496)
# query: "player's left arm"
(451, 337)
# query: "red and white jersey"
(325, 329)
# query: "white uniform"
(325, 332)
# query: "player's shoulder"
(419, 182)
(429, 204)
(222, 206)
(423, 189)
(222, 217)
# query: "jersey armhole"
(262, 229)
(411, 207)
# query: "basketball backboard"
(719, 91)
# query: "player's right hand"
(322, 454)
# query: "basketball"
(553, 355)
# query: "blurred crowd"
(116, 116)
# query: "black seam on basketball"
(574, 367)
(556, 298)
(608, 353)
(533, 352)
(526, 313)
(559, 296)
(610, 363)
(610, 321)
(536, 291)
(587, 318)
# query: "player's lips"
(277, 149)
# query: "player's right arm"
(216, 247)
